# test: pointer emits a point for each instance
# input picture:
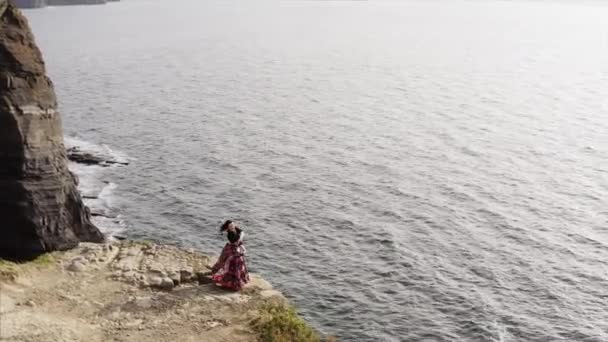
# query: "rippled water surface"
(406, 170)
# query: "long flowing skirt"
(231, 269)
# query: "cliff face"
(40, 207)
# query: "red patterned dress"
(230, 271)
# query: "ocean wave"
(98, 192)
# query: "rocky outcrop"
(40, 207)
(127, 292)
(76, 155)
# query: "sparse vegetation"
(43, 260)
(147, 244)
(281, 323)
(9, 270)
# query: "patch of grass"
(43, 260)
(10, 270)
(147, 243)
(281, 323)
(144, 244)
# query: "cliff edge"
(40, 207)
(127, 292)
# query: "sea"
(412, 170)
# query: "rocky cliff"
(40, 207)
(133, 292)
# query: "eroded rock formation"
(40, 207)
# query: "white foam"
(109, 225)
(98, 194)
(107, 194)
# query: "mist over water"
(405, 170)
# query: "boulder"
(167, 283)
(186, 274)
(40, 207)
(76, 266)
(175, 277)
(155, 281)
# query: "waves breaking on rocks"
(97, 190)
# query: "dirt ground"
(126, 292)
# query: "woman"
(230, 270)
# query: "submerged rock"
(87, 158)
(40, 207)
(78, 156)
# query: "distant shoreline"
(45, 3)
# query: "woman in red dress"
(230, 271)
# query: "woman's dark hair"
(225, 225)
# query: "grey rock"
(175, 277)
(76, 266)
(158, 272)
(80, 259)
(143, 302)
(167, 283)
(76, 155)
(156, 268)
(186, 273)
(204, 277)
(155, 281)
